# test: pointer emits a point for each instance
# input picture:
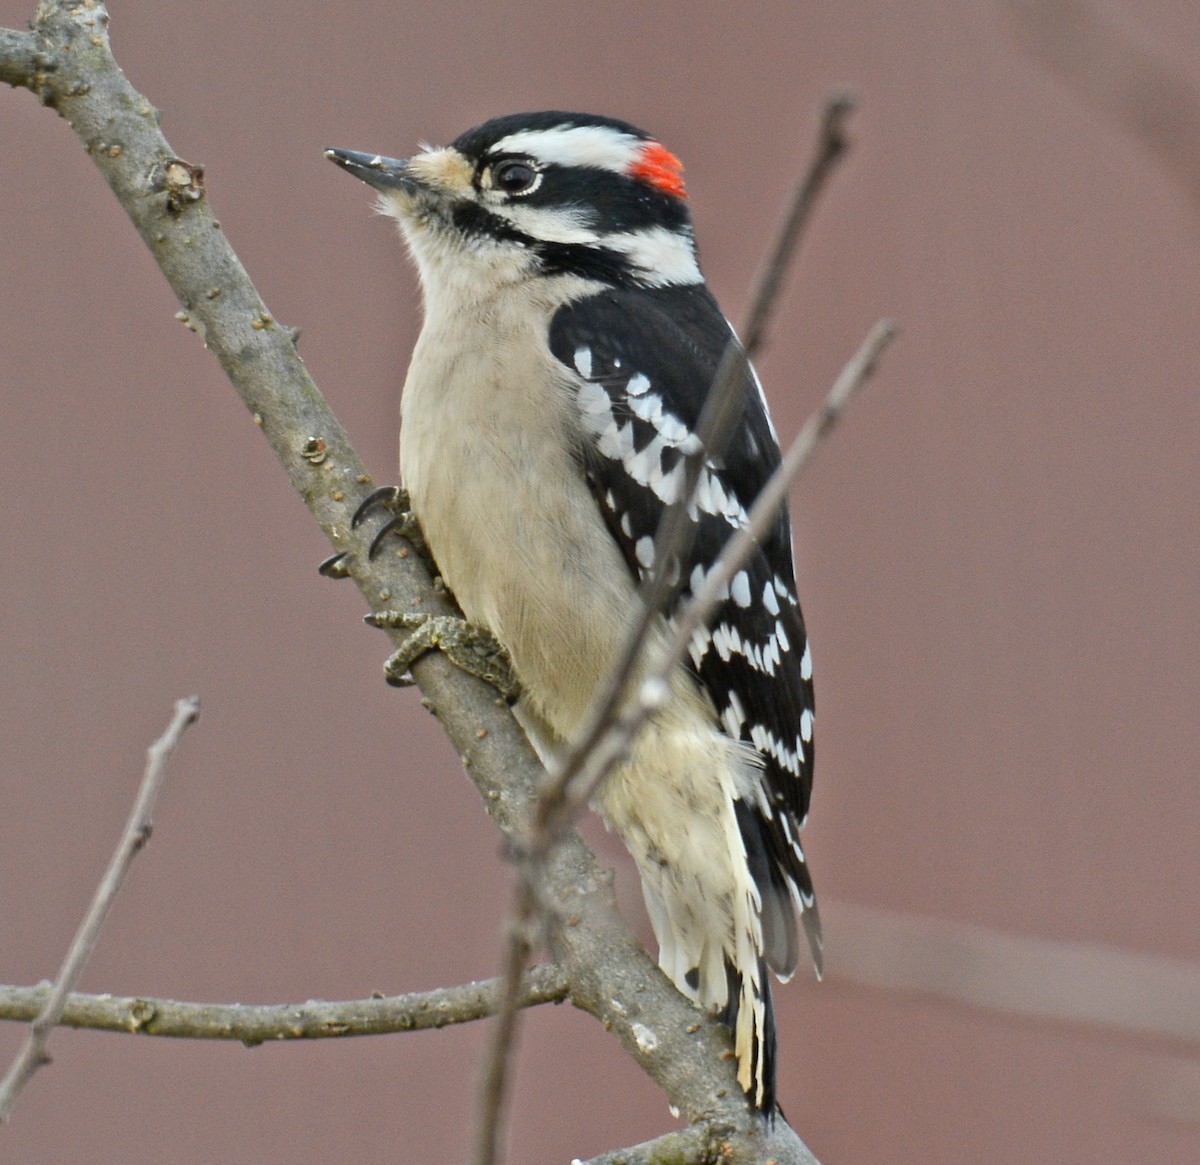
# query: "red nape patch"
(658, 166)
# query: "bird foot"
(473, 649)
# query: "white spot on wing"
(642, 466)
(712, 498)
(734, 716)
(781, 637)
(648, 407)
(616, 442)
(668, 485)
(726, 640)
(673, 430)
(739, 589)
(583, 362)
(644, 551)
(767, 743)
(770, 655)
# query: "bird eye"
(514, 177)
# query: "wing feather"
(640, 364)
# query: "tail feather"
(750, 1016)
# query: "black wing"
(643, 362)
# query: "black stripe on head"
(588, 263)
(620, 202)
(475, 221)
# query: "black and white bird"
(568, 346)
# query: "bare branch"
(1130, 80)
(711, 1144)
(690, 1146)
(317, 1019)
(137, 832)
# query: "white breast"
(486, 453)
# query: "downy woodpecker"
(569, 343)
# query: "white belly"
(510, 520)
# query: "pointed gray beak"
(375, 170)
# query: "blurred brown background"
(998, 556)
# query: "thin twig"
(722, 409)
(723, 406)
(262, 1023)
(137, 832)
(504, 1036)
(614, 742)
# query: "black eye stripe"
(621, 202)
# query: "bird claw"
(393, 500)
(472, 649)
(336, 565)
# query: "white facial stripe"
(555, 224)
(598, 146)
(663, 257)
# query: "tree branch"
(257, 1024)
(20, 61)
(690, 1146)
(711, 1144)
(136, 833)
(67, 62)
